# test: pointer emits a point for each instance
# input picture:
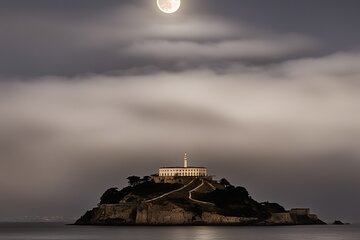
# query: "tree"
(109, 195)
(134, 180)
(114, 195)
(225, 182)
(146, 178)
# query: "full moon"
(169, 6)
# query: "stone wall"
(300, 211)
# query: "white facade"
(182, 171)
(185, 171)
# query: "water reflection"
(196, 233)
(62, 232)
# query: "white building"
(184, 171)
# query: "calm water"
(60, 232)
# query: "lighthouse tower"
(185, 161)
(185, 171)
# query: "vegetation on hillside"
(234, 201)
(274, 207)
(230, 201)
(142, 187)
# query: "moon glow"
(169, 6)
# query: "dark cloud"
(66, 38)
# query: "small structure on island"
(300, 211)
(180, 174)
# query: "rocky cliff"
(195, 203)
(154, 214)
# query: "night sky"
(263, 92)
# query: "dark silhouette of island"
(184, 200)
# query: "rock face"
(154, 204)
(154, 214)
(286, 218)
(338, 222)
(280, 218)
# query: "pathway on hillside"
(186, 191)
(212, 186)
(171, 192)
(195, 189)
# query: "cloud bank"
(57, 130)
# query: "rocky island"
(188, 196)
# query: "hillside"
(198, 201)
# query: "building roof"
(182, 167)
